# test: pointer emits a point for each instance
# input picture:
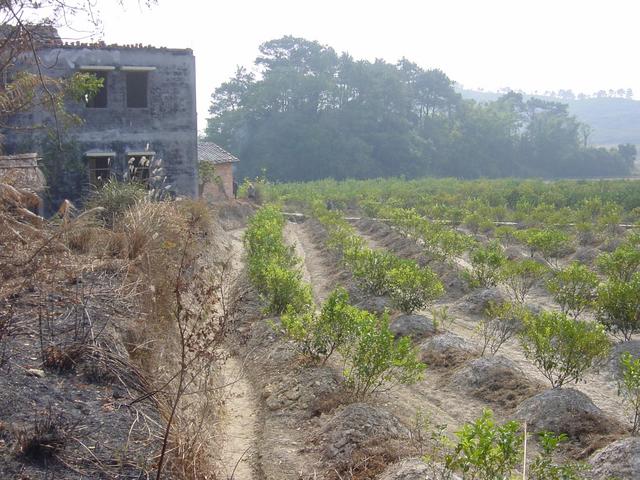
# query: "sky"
(582, 45)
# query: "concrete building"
(223, 163)
(145, 111)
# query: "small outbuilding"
(221, 186)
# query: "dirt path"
(240, 423)
(598, 386)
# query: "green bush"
(485, 450)
(114, 198)
(561, 348)
(411, 287)
(285, 290)
(573, 288)
(377, 359)
(486, 262)
(549, 243)
(544, 468)
(370, 269)
(501, 323)
(618, 306)
(620, 264)
(629, 387)
(520, 276)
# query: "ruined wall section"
(168, 125)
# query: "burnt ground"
(67, 384)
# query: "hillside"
(614, 120)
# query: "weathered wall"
(224, 188)
(168, 125)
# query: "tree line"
(312, 113)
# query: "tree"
(563, 349)
(573, 288)
(486, 262)
(618, 306)
(411, 287)
(520, 276)
(501, 323)
(629, 387)
(621, 264)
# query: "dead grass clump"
(369, 460)
(49, 435)
(328, 402)
(62, 359)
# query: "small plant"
(501, 323)
(621, 264)
(441, 317)
(486, 262)
(285, 289)
(573, 288)
(519, 277)
(48, 437)
(486, 450)
(544, 468)
(412, 288)
(629, 387)
(561, 348)
(377, 358)
(618, 306)
(114, 198)
(371, 268)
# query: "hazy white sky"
(583, 45)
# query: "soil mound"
(613, 363)
(566, 410)
(412, 469)
(476, 302)
(586, 255)
(446, 350)
(495, 379)
(415, 326)
(357, 427)
(373, 304)
(619, 460)
(233, 214)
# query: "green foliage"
(486, 450)
(544, 468)
(411, 287)
(573, 288)
(561, 348)
(114, 198)
(377, 359)
(273, 268)
(519, 277)
(319, 334)
(618, 306)
(502, 322)
(371, 268)
(549, 243)
(486, 262)
(629, 387)
(620, 264)
(207, 174)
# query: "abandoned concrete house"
(224, 163)
(145, 111)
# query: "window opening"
(139, 166)
(99, 100)
(99, 170)
(137, 89)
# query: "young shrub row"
(273, 267)
(379, 272)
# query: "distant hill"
(614, 120)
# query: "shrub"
(519, 277)
(561, 348)
(378, 359)
(502, 322)
(544, 468)
(618, 306)
(549, 243)
(48, 437)
(319, 335)
(411, 287)
(115, 198)
(620, 264)
(629, 387)
(370, 269)
(285, 289)
(573, 288)
(486, 262)
(485, 450)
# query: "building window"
(99, 100)
(139, 165)
(137, 89)
(99, 169)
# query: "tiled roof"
(210, 152)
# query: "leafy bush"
(285, 290)
(549, 243)
(629, 387)
(544, 468)
(486, 262)
(502, 322)
(561, 348)
(618, 306)
(319, 335)
(370, 268)
(573, 288)
(378, 359)
(485, 450)
(620, 264)
(411, 287)
(519, 277)
(114, 198)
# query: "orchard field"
(465, 310)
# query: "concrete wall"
(168, 125)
